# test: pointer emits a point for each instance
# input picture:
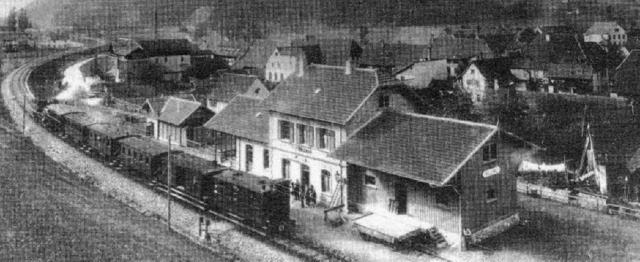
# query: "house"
(228, 85)
(230, 51)
(420, 74)
(606, 32)
(435, 174)
(482, 77)
(172, 57)
(314, 111)
(247, 120)
(390, 57)
(458, 52)
(626, 80)
(334, 50)
(254, 61)
(178, 119)
(284, 61)
(564, 63)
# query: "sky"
(6, 5)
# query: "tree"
(203, 68)
(23, 20)
(11, 19)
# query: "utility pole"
(24, 109)
(169, 186)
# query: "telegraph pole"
(169, 186)
(24, 108)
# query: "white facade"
(307, 162)
(254, 157)
(474, 83)
(279, 67)
(609, 32)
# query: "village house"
(334, 50)
(284, 61)
(179, 119)
(389, 57)
(563, 63)
(483, 77)
(152, 107)
(458, 52)
(228, 85)
(313, 112)
(421, 74)
(254, 61)
(247, 120)
(606, 33)
(138, 59)
(439, 175)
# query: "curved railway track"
(17, 82)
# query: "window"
(369, 180)
(266, 159)
(166, 59)
(326, 180)
(286, 130)
(326, 139)
(182, 59)
(383, 101)
(281, 76)
(305, 135)
(269, 76)
(472, 71)
(286, 168)
(490, 152)
(249, 157)
(491, 195)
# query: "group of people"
(306, 194)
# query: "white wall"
(280, 67)
(474, 83)
(258, 157)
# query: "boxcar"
(256, 201)
(144, 155)
(189, 172)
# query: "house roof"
(257, 55)
(312, 53)
(156, 104)
(176, 110)
(145, 144)
(392, 55)
(496, 68)
(419, 147)
(599, 28)
(123, 46)
(324, 93)
(627, 75)
(335, 51)
(458, 48)
(161, 47)
(561, 48)
(244, 117)
(229, 85)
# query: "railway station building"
(444, 176)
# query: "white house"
(482, 77)
(284, 61)
(607, 32)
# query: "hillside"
(249, 16)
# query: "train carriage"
(143, 155)
(104, 138)
(189, 172)
(75, 128)
(256, 201)
(55, 114)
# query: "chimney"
(548, 37)
(347, 67)
(300, 66)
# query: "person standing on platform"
(311, 196)
(303, 195)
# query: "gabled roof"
(391, 55)
(627, 75)
(229, 85)
(161, 47)
(419, 147)
(176, 110)
(599, 28)
(324, 93)
(496, 68)
(244, 117)
(335, 51)
(155, 104)
(257, 55)
(458, 48)
(560, 48)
